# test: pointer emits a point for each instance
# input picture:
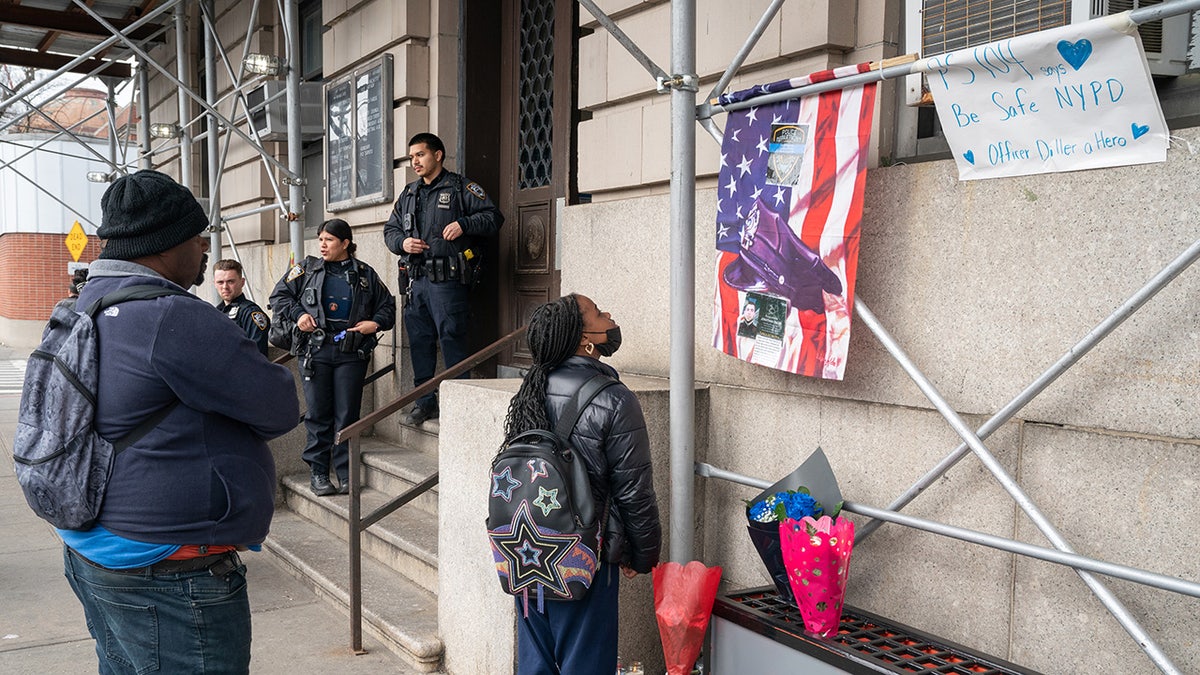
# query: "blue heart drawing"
(969, 156)
(1075, 52)
(1139, 130)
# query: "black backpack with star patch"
(542, 521)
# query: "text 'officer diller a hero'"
(435, 228)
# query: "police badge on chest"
(443, 200)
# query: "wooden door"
(537, 104)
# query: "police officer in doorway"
(436, 228)
(339, 305)
(230, 281)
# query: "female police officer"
(341, 304)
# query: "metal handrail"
(359, 523)
(287, 356)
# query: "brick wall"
(35, 273)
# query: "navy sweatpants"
(571, 637)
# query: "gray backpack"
(62, 464)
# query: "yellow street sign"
(77, 240)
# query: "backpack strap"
(144, 428)
(579, 402)
(139, 292)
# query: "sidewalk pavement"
(42, 629)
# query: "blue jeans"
(182, 622)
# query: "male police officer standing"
(434, 228)
(254, 322)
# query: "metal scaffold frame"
(217, 125)
(682, 84)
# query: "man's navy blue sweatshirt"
(204, 475)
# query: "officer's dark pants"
(571, 637)
(333, 395)
(436, 313)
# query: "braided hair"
(554, 332)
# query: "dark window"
(311, 30)
(537, 94)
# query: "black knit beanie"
(146, 213)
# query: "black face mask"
(614, 341)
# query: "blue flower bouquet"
(798, 495)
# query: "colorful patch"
(477, 190)
(260, 319)
(542, 503)
(295, 273)
(535, 556)
(504, 492)
(539, 472)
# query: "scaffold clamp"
(683, 82)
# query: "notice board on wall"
(358, 123)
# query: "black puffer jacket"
(611, 436)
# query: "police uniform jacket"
(611, 436)
(449, 198)
(250, 317)
(299, 293)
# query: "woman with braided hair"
(567, 338)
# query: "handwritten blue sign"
(1076, 97)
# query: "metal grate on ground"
(879, 644)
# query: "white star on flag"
(732, 187)
(762, 146)
(778, 196)
(744, 166)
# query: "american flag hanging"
(789, 207)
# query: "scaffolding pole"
(683, 278)
(183, 82)
(291, 14)
(146, 161)
(213, 142)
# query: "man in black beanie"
(200, 485)
(146, 214)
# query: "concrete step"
(393, 470)
(397, 612)
(406, 541)
(423, 438)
